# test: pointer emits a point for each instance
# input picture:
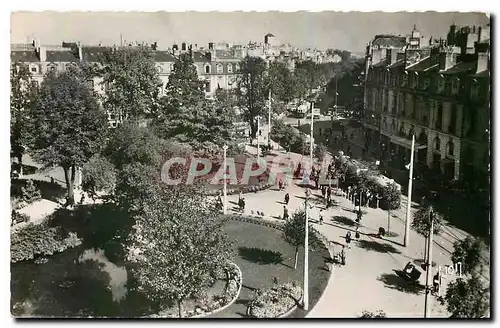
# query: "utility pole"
(225, 180)
(311, 141)
(429, 263)
(306, 256)
(408, 205)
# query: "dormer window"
(237, 67)
(33, 69)
(220, 68)
(229, 68)
(207, 68)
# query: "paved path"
(367, 281)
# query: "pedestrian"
(260, 133)
(82, 199)
(348, 239)
(357, 235)
(287, 198)
(280, 184)
(342, 255)
(321, 217)
(285, 213)
(329, 192)
(243, 204)
(52, 181)
(323, 191)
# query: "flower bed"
(207, 306)
(243, 189)
(275, 302)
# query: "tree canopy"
(23, 93)
(421, 221)
(68, 123)
(467, 298)
(177, 245)
(468, 251)
(294, 231)
(252, 90)
(132, 82)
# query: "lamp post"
(428, 264)
(225, 180)
(306, 256)
(408, 205)
(311, 141)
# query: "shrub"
(30, 193)
(370, 315)
(33, 240)
(275, 301)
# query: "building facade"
(437, 91)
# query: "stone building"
(436, 90)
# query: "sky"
(339, 30)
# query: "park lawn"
(262, 254)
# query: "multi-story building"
(435, 91)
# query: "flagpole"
(408, 205)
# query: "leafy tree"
(30, 193)
(23, 92)
(294, 232)
(69, 125)
(132, 82)
(98, 175)
(468, 251)
(251, 90)
(370, 315)
(184, 88)
(467, 299)
(392, 198)
(320, 151)
(281, 82)
(187, 117)
(422, 224)
(131, 143)
(177, 245)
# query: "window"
(207, 69)
(441, 84)
(404, 80)
(451, 148)
(33, 69)
(159, 68)
(36, 83)
(474, 91)
(229, 68)
(439, 116)
(426, 83)
(207, 86)
(453, 120)
(455, 86)
(437, 144)
(220, 68)
(237, 67)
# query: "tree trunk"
(253, 128)
(388, 220)
(179, 307)
(69, 183)
(20, 162)
(296, 257)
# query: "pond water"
(77, 282)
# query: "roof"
(24, 56)
(163, 56)
(389, 41)
(270, 34)
(222, 54)
(485, 73)
(382, 63)
(464, 67)
(93, 53)
(424, 65)
(61, 56)
(397, 64)
(199, 57)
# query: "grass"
(263, 255)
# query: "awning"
(406, 143)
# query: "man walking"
(287, 198)
(285, 213)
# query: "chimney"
(208, 54)
(175, 50)
(391, 56)
(80, 51)
(482, 62)
(210, 46)
(42, 51)
(447, 59)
